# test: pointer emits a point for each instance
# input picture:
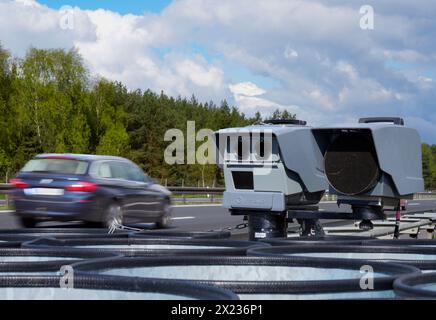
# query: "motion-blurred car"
(102, 190)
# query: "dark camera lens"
(351, 163)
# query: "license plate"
(44, 192)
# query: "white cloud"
(248, 89)
(348, 70)
(248, 97)
(199, 75)
(290, 53)
(26, 23)
(327, 69)
(320, 98)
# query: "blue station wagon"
(103, 190)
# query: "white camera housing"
(270, 167)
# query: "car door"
(130, 189)
(112, 178)
(147, 201)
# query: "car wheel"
(167, 218)
(403, 208)
(28, 222)
(113, 216)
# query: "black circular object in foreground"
(351, 164)
(93, 287)
(423, 258)
(182, 234)
(251, 276)
(19, 260)
(316, 240)
(151, 246)
(418, 286)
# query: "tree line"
(49, 102)
(429, 165)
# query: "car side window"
(136, 174)
(119, 170)
(101, 169)
(104, 171)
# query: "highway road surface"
(214, 217)
(206, 217)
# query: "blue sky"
(123, 7)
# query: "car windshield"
(51, 165)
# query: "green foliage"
(429, 166)
(49, 104)
(115, 141)
(277, 114)
(47, 98)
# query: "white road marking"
(413, 204)
(195, 205)
(183, 218)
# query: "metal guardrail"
(195, 190)
(220, 191)
(5, 187)
(182, 194)
(185, 194)
(424, 195)
(213, 195)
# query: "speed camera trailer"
(268, 169)
(372, 164)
